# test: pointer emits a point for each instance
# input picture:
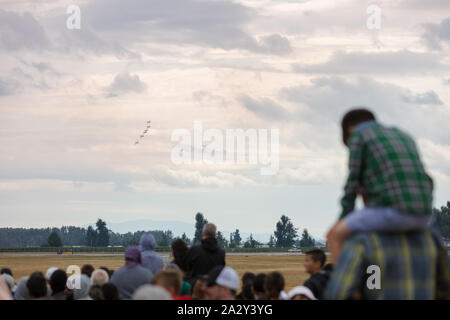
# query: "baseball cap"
(305, 291)
(223, 276)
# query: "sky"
(73, 101)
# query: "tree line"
(285, 235)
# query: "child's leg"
(336, 236)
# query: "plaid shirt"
(386, 163)
(413, 265)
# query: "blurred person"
(258, 287)
(150, 258)
(5, 292)
(201, 259)
(58, 281)
(99, 277)
(132, 275)
(186, 287)
(151, 292)
(37, 286)
(170, 280)
(247, 281)
(96, 292)
(319, 275)
(411, 266)
(7, 271)
(21, 292)
(110, 292)
(386, 169)
(301, 293)
(82, 292)
(179, 250)
(222, 284)
(274, 286)
(9, 280)
(87, 269)
(199, 288)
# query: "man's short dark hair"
(58, 281)
(248, 277)
(258, 283)
(317, 255)
(37, 285)
(353, 118)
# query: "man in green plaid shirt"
(412, 266)
(385, 168)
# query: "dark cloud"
(125, 83)
(437, 34)
(21, 32)
(375, 63)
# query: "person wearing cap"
(201, 259)
(301, 293)
(222, 284)
(132, 275)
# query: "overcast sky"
(73, 101)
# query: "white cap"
(49, 272)
(228, 278)
(305, 291)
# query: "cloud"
(125, 83)
(217, 24)
(437, 34)
(403, 61)
(264, 108)
(8, 87)
(429, 97)
(21, 32)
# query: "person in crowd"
(199, 288)
(222, 284)
(5, 292)
(87, 269)
(170, 280)
(247, 281)
(58, 281)
(386, 170)
(274, 286)
(258, 287)
(110, 292)
(410, 265)
(186, 287)
(81, 292)
(37, 286)
(132, 275)
(99, 277)
(319, 273)
(201, 259)
(96, 292)
(108, 271)
(179, 250)
(301, 293)
(7, 271)
(21, 292)
(151, 292)
(9, 280)
(150, 258)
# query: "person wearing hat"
(301, 293)
(132, 275)
(222, 284)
